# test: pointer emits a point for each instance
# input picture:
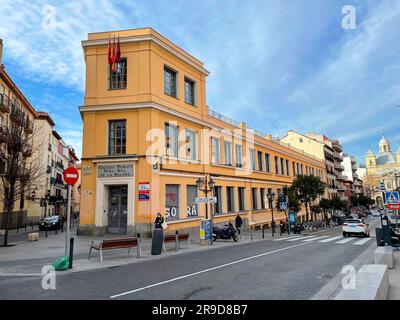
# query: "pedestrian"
(238, 223)
(282, 227)
(298, 228)
(159, 221)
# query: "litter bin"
(379, 237)
(157, 241)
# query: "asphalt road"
(283, 269)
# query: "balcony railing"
(28, 125)
(4, 103)
(341, 177)
(338, 156)
(59, 165)
(336, 146)
(339, 167)
(17, 115)
(223, 118)
(27, 150)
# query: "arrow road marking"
(206, 270)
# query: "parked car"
(355, 227)
(51, 223)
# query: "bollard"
(139, 249)
(176, 240)
(71, 252)
(251, 233)
(46, 231)
(62, 227)
(263, 236)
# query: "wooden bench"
(111, 244)
(177, 239)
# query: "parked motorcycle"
(226, 233)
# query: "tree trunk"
(5, 242)
(307, 215)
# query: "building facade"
(351, 174)
(330, 152)
(382, 167)
(148, 136)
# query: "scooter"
(227, 232)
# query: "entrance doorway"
(117, 209)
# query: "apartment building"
(326, 150)
(350, 172)
(149, 136)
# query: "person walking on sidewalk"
(159, 221)
(238, 223)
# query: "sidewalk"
(28, 257)
(394, 278)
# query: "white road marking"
(362, 241)
(288, 238)
(345, 240)
(331, 239)
(206, 270)
(302, 238)
(309, 240)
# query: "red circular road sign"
(71, 176)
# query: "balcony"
(338, 156)
(341, 188)
(27, 151)
(59, 165)
(339, 167)
(336, 146)
(341, 177)
(4, 103)
(28, 125)
(16, 115)
(48, 169)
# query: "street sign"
(394, 206)
(283, 205)
(71, 176)
(205, 200)
(391, 197)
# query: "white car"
(355, 227)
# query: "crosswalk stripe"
(288, 238)
(330, 239)
(345, 240)
(362, 241)
(302, 238)
(317, 238)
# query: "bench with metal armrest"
(120, 243)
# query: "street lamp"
(209, 186)
(271, 197)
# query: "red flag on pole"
(118, 57)
(113, 56)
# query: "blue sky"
(275, 64)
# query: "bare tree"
(19, 171)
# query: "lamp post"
(271, 197)
(209, 187)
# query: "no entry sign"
(71, 176)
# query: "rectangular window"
(190, 91)
(260, 161)
(218, 195)
(282, 166)
(191, 144)
(230, 197)
(171, 202)
(298, 169)
(302, 171)
(228, 153)
(239, 156)
(117, 137)
(171, 136)
(294, 169)
(262, 195)
(242, 206)
(254, 202)
(252, 159)
(192, 209)
(170, 87)
(118, 78)
(267, 162)
(276, 165)
(287, 168)
(215, 151)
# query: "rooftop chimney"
(1, 51)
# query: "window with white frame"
(252, 154)
(239, 156)
(191, 144)
(190, 90)
(171, 136)
(228, 153)
(215, 151)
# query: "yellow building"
(383, 167)
(148, 135)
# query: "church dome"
(384, 145)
